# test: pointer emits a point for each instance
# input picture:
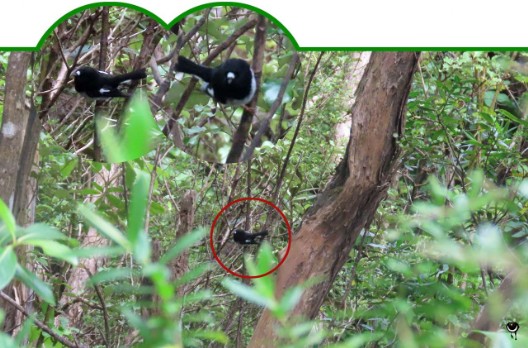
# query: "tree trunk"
(348, 204)
(18, 144)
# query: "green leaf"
(512, 117)
(477, 179)
(216, 336)
(87, 192)
(265, 259)
(192, 274)
(7, 341)
(271, 90)
(69, 167)
(110, 275)
(195, 130)
(160, 275)
(438, 192)
(55, 249)
(359, 340)
(248, 293)
(39, 231)
(523, 188)
(8, 219)
(137, 322)
(197, 296)
(291, 297)
(104, 227)
(157, 208)
(42, 289)
(183, 244)
(8, 264)
(264, 285)
(138, 133)
(136, 218)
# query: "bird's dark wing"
(107, 92)
(134, 75)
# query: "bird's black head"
(233, 68)
(85, 71)
(233, 82)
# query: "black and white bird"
(246, 238)
(232, 82)
(98, 84)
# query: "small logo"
(512, 328)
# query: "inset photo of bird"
(89, 69)
(96, 84)
(234, 84)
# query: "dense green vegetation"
(452, 227)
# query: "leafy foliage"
(452, 228)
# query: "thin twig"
(257, 140)
(37, 322)
(297, 128)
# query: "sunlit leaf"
(40, 288)
(104, 227)
(8, 264)
(8, 219)
(137, 136)
(137, 210)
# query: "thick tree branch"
(328, 232)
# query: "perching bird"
(246, 238)
(512, 328)
(232, 82)
(99, 84)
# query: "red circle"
(216, 220)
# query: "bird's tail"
(262, 234)
(259, 237)
(134, 75)
(189, 67)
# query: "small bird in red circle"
(246, 238)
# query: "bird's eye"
(78, 73)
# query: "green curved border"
(167, 26)
(257, 10)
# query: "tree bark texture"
(348, 204)
(18, 144)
